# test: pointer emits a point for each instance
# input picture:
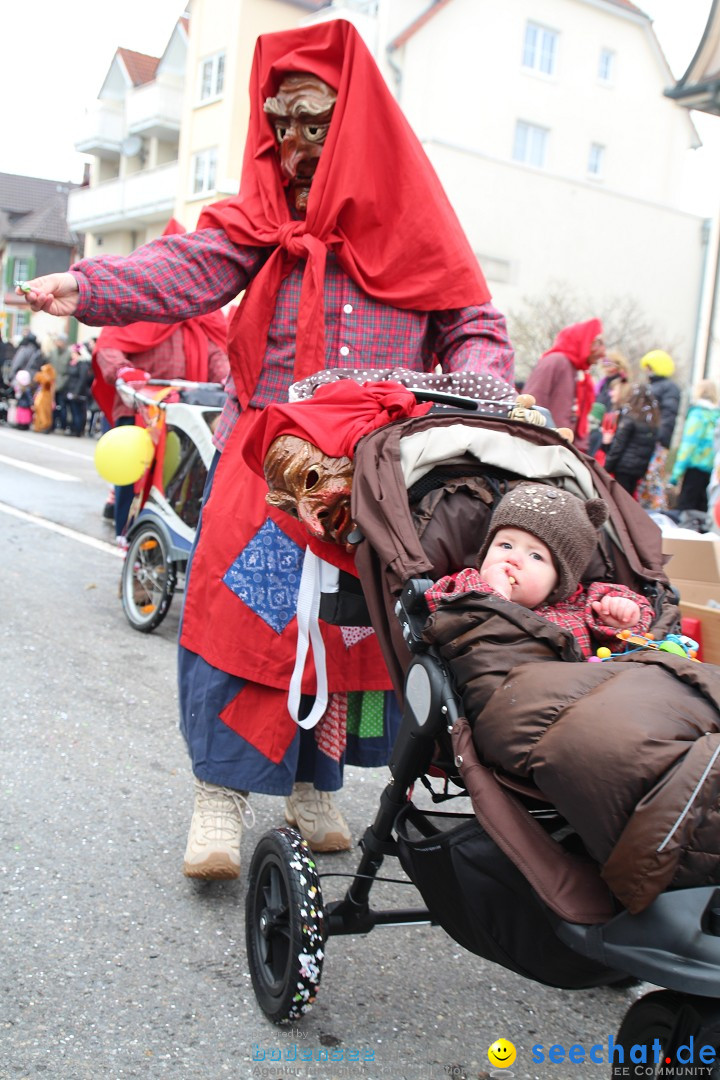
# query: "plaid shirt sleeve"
(474, 339)
(168, 280)
(608, 634)
(453, 585)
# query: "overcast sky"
(61, 51)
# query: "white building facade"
(547, 123)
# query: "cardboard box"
(694, 570)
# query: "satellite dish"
(132, 145)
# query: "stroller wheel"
(148, 579)
(671, 1019)
(284, 925)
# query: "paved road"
(112, 965)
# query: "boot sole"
(333, 841)
(213, 869)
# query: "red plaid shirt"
(574, 614)
(176, 277)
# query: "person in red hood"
(194, 349)
(561, 382)
(351, 257)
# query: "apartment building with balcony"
(132, 133)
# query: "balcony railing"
(102, 132)
(129, 203)
(155, 109)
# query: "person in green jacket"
(696, 453)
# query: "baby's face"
(528, 561)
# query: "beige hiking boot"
(213, 846)
(317, 818)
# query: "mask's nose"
(312, 519)
(289, 155)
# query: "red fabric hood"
(375, 202)
(575, 342)
(334, 419)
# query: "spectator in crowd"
(77, 389)
(28, 355)
(20, 412)
(660, 367)
(694, 460)
(617, 392)
(561, 381)
(60, 360)
(612, 366)
(628, 455)
(44, 400)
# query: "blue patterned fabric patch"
(266, 575)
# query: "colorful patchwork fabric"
(266, 575)
(365, 713)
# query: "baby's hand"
(500, 578)
(616, 611)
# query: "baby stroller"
(180, 416)
(511, 881)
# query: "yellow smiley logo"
(502, 1053)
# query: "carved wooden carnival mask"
(300, 112)
(311, 487)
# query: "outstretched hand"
(57, 294)
(618, 612)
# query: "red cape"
(139, 337)
(375, 203)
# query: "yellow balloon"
(173, 450)
(123, 454)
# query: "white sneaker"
(317, 818)
(213, 846)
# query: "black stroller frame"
(674, 943)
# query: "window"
(596, 159)
(540, 49)
(204, 167)
(21, 270)
(606, 65)
(530, 145)
(212, 77)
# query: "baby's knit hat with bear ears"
(566, 524)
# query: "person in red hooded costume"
(561, 382)
(194, 349)
(351, 257)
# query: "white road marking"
(53, 444)
(35, 519)
(40, 470)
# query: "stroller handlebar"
(133, 396)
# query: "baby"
(540, 541)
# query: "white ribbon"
(317, 577)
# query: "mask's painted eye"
(315, 132)
(281, 132)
